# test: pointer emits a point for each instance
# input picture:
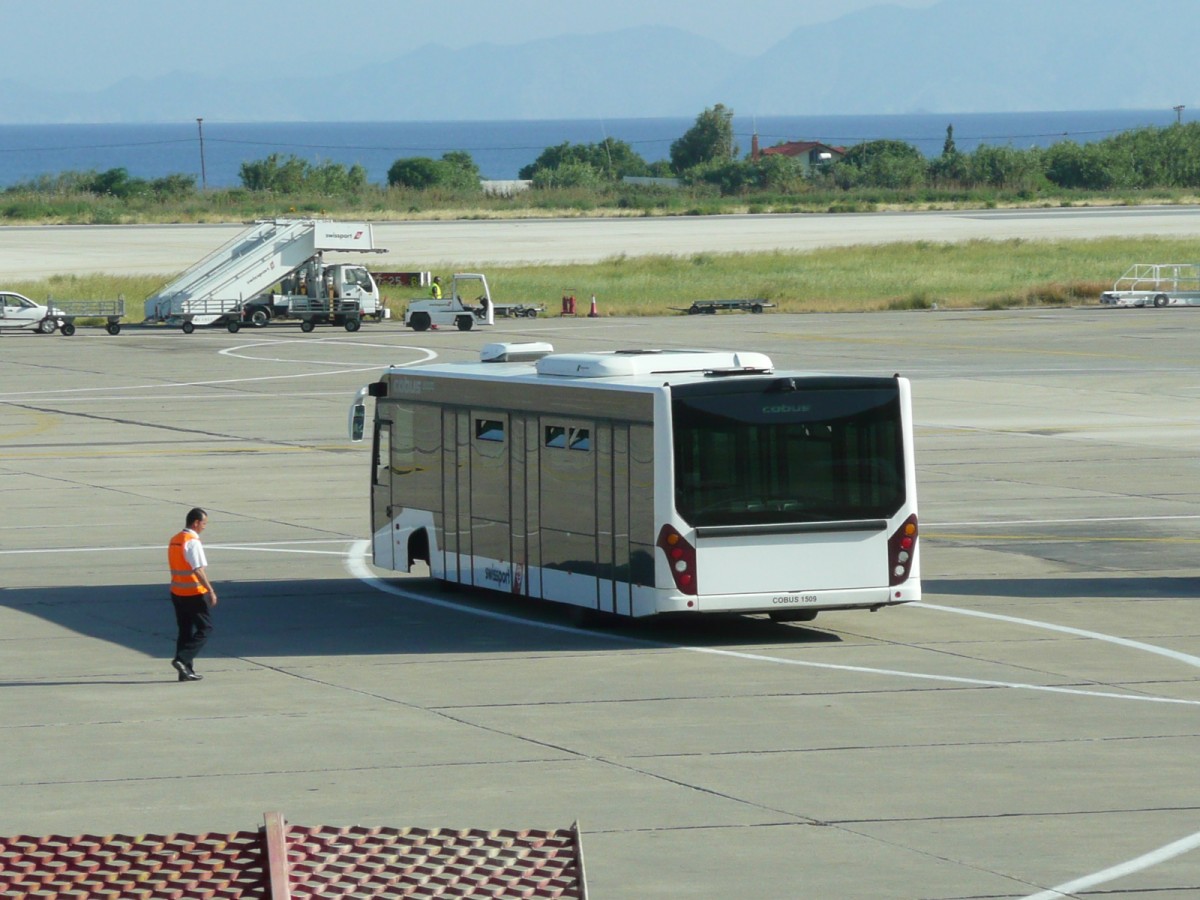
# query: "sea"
(214, 151)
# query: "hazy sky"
(78, 44)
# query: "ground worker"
(192, 594)
(436, 288)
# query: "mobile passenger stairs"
(1156, 284)
(218, 289)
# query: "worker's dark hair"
(195, 514)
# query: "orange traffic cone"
(593, 314)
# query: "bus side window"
(489, 430)
(560, 437)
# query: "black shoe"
(185, 671)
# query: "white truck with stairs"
(234, 284)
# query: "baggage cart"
(65, 312)
(314, 311)
(712, 307)
(205, 312)
(517, 310)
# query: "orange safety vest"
(184, 581)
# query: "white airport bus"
(640, 483)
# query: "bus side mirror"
(357, 424)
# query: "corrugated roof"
(282, 862)
(122, 866)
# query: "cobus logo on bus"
(781, 408)
(792, 599)
(411, 386)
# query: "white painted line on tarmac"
(239, 352)
(1129, 867)
(426, 356)
(356, 565)
(14, 396)
(1185, 658)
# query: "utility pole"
(203, 174)
(1179, 114)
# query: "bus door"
(490, 503)
(456, 492)
(476, 502)
(612, 517)
(567, 511)
(382, 551)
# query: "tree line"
(707, 155)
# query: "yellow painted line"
(42, 422)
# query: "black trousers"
(194, 618)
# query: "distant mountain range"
(957, 56)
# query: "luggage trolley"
(711, 307)
(312, 311)
(67, 311)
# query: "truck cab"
(452, 309)
(318, 281)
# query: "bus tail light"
(681, 556)
(902, 547)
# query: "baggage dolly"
(711, 307)
(67, 311)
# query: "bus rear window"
(808, 454)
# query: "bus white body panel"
(638, 484)
(750, 564)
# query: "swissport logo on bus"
(498, 577)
